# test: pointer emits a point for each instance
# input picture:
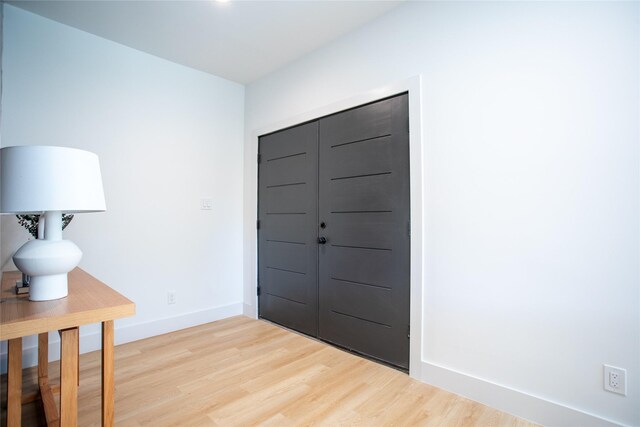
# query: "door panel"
(373, 193)
(370, 230)
(287, 237)
(286, 284)
(286, 312)
(287, 199)
(287, 171)
(287, 228)
(348, 158)
(287, 256)
(358, 124)
(372, 302)
(359, 265)
(364, 201)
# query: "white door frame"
(411, 85)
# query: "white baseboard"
(505, 399)
(250, 310)
(124, 334)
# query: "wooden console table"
(89, 301)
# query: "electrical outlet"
(615, 380)
(206, 204)
(171, 297)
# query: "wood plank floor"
(244, 372)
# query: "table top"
(89, 301)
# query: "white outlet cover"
(612, 375)
(206, 204)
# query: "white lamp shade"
(42, 178)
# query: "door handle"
(322, 240)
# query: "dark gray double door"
(333, 235)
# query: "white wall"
(531, 191)
(166, 136)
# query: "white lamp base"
(47, 262)
(45, 288)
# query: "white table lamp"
(53, 180)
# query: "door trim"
(419, 216)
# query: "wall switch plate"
(171, 297)
(615, 380)
(206, 204)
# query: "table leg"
(69, 377)
(108, 388)
(14, 383)
(46, 395)
(43, 357)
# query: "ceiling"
(238, 40)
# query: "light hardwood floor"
(244, 372)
